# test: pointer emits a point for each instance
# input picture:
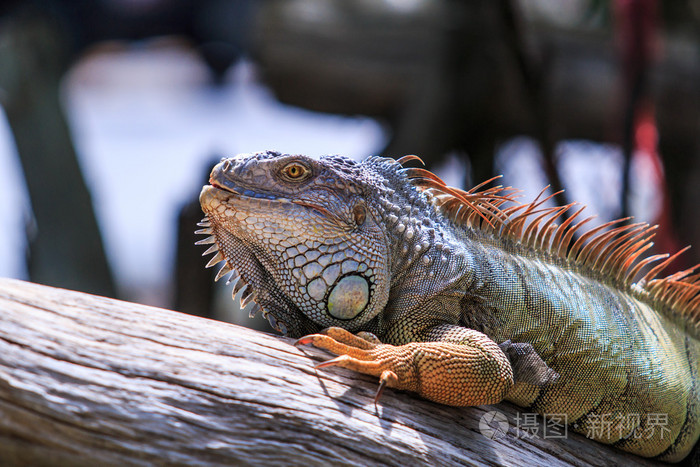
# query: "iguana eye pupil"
(295, 171)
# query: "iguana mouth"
(243, 192)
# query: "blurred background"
(114, 111)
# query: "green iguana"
(455, 296)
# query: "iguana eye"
(295, 171)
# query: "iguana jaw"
(258, 292)
(239, 263)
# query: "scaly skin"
(466, 314)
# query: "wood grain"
(86, 380)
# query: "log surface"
(86, 380)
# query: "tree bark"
(87, 380)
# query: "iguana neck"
(427, 258)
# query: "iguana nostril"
(227, 166)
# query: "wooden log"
(86, 380)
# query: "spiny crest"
(614, 249)
(248, 295)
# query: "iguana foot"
(355, 352)
(474, 372)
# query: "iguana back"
(628, 375)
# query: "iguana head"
(302, 235)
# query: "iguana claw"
(363, 341)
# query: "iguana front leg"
(464, 368)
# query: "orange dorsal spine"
(613, 252)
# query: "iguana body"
(470, 306)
